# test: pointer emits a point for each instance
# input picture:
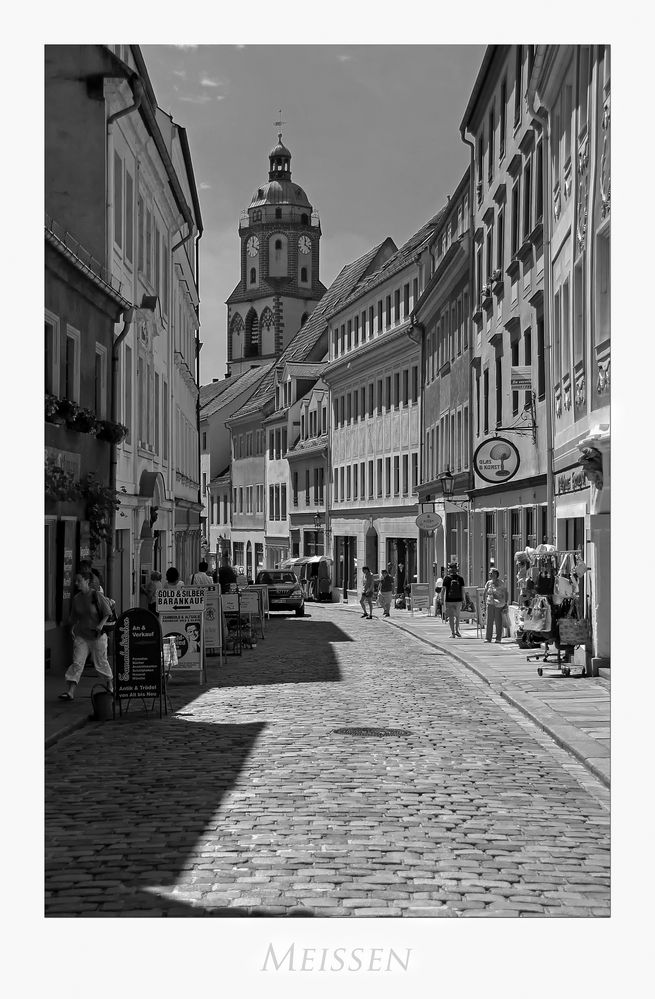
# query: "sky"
(373, 132)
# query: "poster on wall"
(185, 628)
(213, 639)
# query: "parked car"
(284, 590)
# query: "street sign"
(138, 652)
(428, 521)
(521, 378)
(420, 596)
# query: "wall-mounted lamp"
(447, 480)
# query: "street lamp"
(447, 480)
(317, 527)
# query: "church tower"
(279, 286)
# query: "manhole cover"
(371, 731)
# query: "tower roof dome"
(280, 149)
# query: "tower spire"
(278, 124)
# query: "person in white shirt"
(202, 578)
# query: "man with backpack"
(453, 595)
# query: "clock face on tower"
(252, 246)
(304, 244)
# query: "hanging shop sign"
(138, 652)
(572, 481)
(428, 521)
(496, 460)
(521, 378)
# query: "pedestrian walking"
(385, 595)
(495, 598)
(438, 594)
(368, 591)
(90, 611)
(453, 589)
(400, 579)
(150, 589)
(202, 577)
(173, 581)
(227, 577)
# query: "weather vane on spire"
(278, 124)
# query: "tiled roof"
(312, 444)
(230, 388)
(401, 258)
(310, 334)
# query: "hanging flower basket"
(84, 421)
(114, 433)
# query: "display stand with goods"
(549, 614)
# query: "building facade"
(279, 281)
(309, 473)
(511, 501)
(374, 380)
(81, 307)
(442, 319)
(119, 176)
(219, 401)
(570, 90)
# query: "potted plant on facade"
(84, 421)
(101, 504)
(68, 410)
(52, 413)
(60, 485)
(114, 433)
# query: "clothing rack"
(546, 655)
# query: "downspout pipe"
(128, 318)
(542, 114)
(469, 540)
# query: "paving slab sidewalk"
(574, 711)
(60, 718)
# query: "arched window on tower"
(278, 213)
(304, 219)
(278, 255)
(251, 344)
(253, 275)
(303, 273)
(234, 337)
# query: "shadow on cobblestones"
(293, 658)
(117, 829)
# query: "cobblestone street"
(247, 801)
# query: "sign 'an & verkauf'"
(138, 652)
